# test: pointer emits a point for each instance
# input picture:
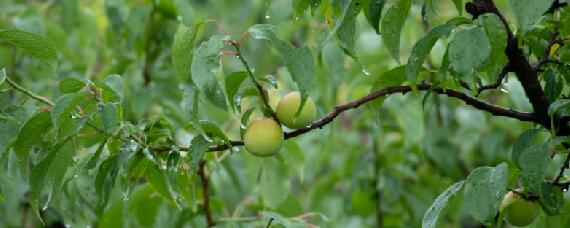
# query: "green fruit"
(263, 137)
(288, 106)
(519, 211)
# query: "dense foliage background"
(128, 113)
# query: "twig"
(564, 166)
(506, 69)
(29, 93)
(206, 201)
(337, 110)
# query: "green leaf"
(105, 178)
(346, 33)
(392, 25)
(113, 88)
(458, 5)
(158, 181)
(65, 106)
(528, 12)
(523, 142)
(212, 130)
(182, 49)
(467, 52)
(484, 190)
(189, 101)
(233, 82)
(35, 45)
(432, 215)
(422, 48)
(373, 12)
(494, 28)
(71, 85)
(393, 77)
(274, 183)
(552, 87)
(109, 114)
(551, 199)
(31, 134)
(2, 75)
(299, 61)
(206, 60)
(197, 147)
(39, 177)
(557, 106)
(533, 162)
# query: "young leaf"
(528, 12)
(105, 178)
(467, 51)
(30, 135)
(182, 49)
(35, 45)
(190, 101)
(422, 48)
(484, 190)
(206, 60)
(392, 25)
(373, 12)
(299, 61)
(393, 77)
(431, 217)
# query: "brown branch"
(494, 85)
(337, 110)
(519, 63)
(206, 201)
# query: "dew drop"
(267, 16)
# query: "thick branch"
(337, 110)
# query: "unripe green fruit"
(288, 106)
(519, 211)
(263, 137)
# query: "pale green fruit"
(288, 106)
(263, 137)
(519, 211)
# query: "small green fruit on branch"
(263, 137)
(519, 211)
(287, 108)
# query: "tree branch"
(337, 110)
(519, 63)
(206, 201)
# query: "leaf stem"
(29, 92)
